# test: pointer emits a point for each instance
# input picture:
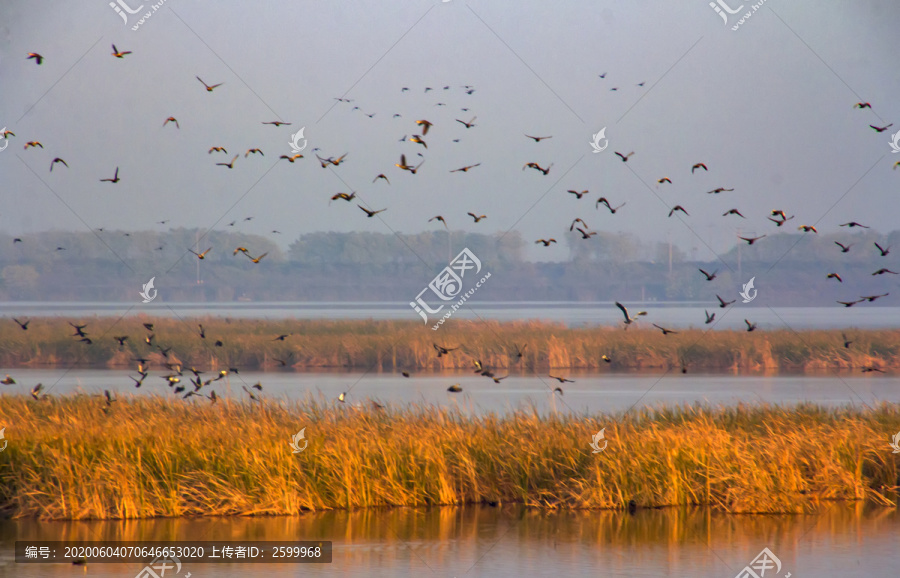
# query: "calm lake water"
(594, 313)
(590, 392)
(841, 541)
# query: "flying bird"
(469, 124)
(882, 250)
(678, 208)
(750, 326)
(546, 242)
(699, 166)
(807, 229)
(751, 240)
(477, 217)
(203, 254)
(871, 298)
(455, 388)
(438, 218)
(844, 248)
(579, 220)
(880, 128)
(369, 213)
(536, 138)
(208, 87)
(291, 159)
(709, 318)
(425, 125)
(24, 326)
(229, 165)
(218, 150)
(344, 196)
(734, 212)
(578, 194)
(834, 276)
(277, 123)
(624, 157)
(117, 53)
(381, 176)
(710, 276)
(628, 319)
(585, 234)
(664, 180)
(37, 57)
(443, 350)
(850, 303)
(722, 303)
(663, 329)
(417, 139)
(537, 167)
(253, 151)
(172, 119)
(862, 105)
(57, 160)
(8, 380)
(33, 143)
(852, 224)
(883, 271)
(115, 178)
(604, 201)
(717, 191)
(466, 168)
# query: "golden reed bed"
(396, 345)
(80, 457)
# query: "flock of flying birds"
(422, 129)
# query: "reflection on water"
(842, 540)
(591, 392)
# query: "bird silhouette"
(546, 242)
(852, 224)
(862, 105)
(678, 208)
(57, 160)
(624, 157)
(663, 329)
(115, 178)
(664, 180)
(880, 128)
(883, 271)
(850, 303)
(709, 318)
(699, 166)
(477, 217)
(438, 218)
(466, 168)
(579, 220)
(208, 87)
(172, 119)
(24, 325)
(369, 213)
(722, 303)
(201, 255)
(381, 176)
(709, 276)
(871, 298)
(229, 165)
(834, 276)
(277, 123)
(578, 194)
(750, 326)
(425, 125)
(733, 212)
(604, 201)
(253, 151)
(751, 240)
(844, 248)
(807, 229)
(292, 158)
(536, 138)
(117, 53)
(455, 388)
(561, 379)
(33, 143)
(344, 196)
(718, 190)
(37, 57)
(585, 234)
(537, 167)
(884, 251)
(418, 140)
(469, 124)
(443, 350)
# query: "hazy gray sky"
(768, 108)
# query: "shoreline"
(407, 345)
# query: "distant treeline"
(790, 268)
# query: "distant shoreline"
(408, 346)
